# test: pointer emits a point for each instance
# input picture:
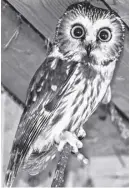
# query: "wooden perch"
(59, 177)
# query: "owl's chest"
(87, 100)
(78, 103)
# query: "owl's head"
(85, 30)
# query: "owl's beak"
(88, 49)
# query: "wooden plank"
(22, 57)
(121, 81)
(121, 7)
(43, 15)
(36, 14)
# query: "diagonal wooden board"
(44, 14)
(121, 7)
(23, 55)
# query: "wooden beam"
(42, 14)
(22, 56)
(36, 14)
(121, 7)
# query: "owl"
(68, 87)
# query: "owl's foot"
(82, 158)
(71, 138)
(81, 133)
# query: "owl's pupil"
(104, 35)
(78, 32)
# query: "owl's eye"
(104, 35)
(77, 31)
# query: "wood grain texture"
(121, 7)
(37, 15)
(120, 86)
(22, 57)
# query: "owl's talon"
(61, 145)
(71, 138)
(81, 133)
(82, 158)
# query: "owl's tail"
(14, 164)
(37, 162)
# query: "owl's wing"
(41, 101)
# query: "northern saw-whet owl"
(68, 87)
